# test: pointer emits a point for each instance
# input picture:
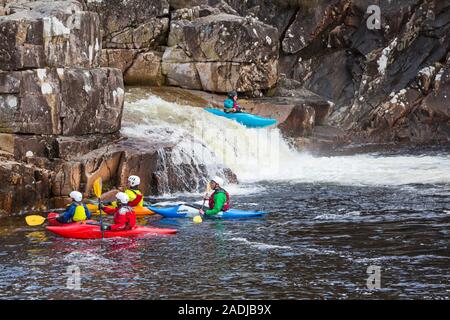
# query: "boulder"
(118, 58)
(145, 70)
(151, 161)
(242, 77)
(150, 34)
(132, 24)
(61, 101)
(179, 69)
(24, 146)
(225, 37)
(71, 148)
(49, 34)
(183, 75)
(23, 188)
(66, 178)
(222, 52)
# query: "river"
(330, 220)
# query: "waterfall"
(209, 144)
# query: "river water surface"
(317, 241)
(329, 220)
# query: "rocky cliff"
(331, 71)
(61, 112)
(386, 82)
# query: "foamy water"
(262, 154)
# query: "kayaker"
(230, 105)
(124, 215)
(132, 191)
(75, 211)
(219, 199)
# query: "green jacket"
(219, 200)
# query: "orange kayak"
(140, 211)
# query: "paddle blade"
(34, 220)
(98, 187)
(208, 188)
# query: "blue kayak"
(246, 119)
(183, 211)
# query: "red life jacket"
(226, 205)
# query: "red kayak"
(91, 231)
(51, 219)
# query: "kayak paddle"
(98, 194)
(198, 219)
(35, 220)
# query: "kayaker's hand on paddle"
(59, 218)
(201, 212)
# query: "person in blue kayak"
(219, 200)
(230, 105)
(76, 211)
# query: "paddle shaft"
(101, 218)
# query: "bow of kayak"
(51, 219)
(182, 211)
(91, 231)
(246, 119)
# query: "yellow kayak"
(140, 211)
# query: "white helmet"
(218, 180)
(76, 195)
(134, 181)
(122, 197)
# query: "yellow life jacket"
(80, 214)
(132, 194)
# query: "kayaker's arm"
(68, 214)
(136, 200)
(109, 210)
(219, 200)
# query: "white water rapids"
(263, 154)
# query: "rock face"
(64, 101)
(23, 188)
(132, 35)
(132, 24)
(329, 47)
(222, 52)
(49, 34)
(60, 112)
(208, 47)
(56, 103)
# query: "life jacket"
(132, 195)
(226, 205)
(124, 218)
(80, 212)
(129, 215)
(228, 104)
